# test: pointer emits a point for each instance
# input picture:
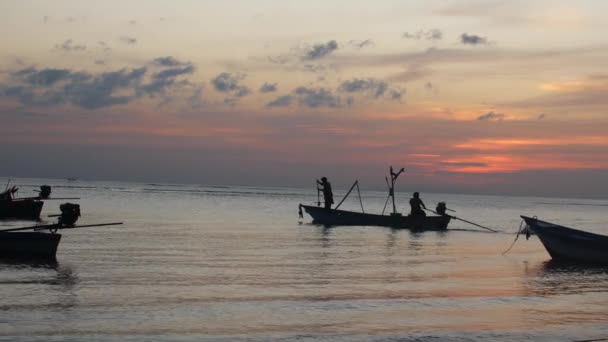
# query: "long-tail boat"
(569, 244)
(336, 217)
(41, 241)
(25, 208)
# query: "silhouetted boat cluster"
(39, 241)
(562, 243)
(42, 240)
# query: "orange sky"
(457, 92)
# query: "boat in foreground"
(29, 244)
(336, 217)
(41, 241)
(568, 244)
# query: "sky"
(484, 97)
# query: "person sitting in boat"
(417, 205)
(328, 195)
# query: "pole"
(348, 193)
(469, 222)
(360, 200)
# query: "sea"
(236, 263)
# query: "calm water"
(200, 263)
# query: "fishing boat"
(28, 208)
(41, 241)
(32, 245)
(337, 217)
(568, 244)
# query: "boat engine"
(45, 191)
(70, 213)
(441, 208)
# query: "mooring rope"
(516, 237)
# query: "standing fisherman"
(328, 195)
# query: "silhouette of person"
(416, 204)
(328, 195)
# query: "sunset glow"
(241, 86)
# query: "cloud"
(396, 94)
(360, 44)
(491, 116)
(464, 164)
(173, 72)
(128, 40)
(281, 101)
(471, 39)
(45, 87)
(308, 97)
(321, 50)
(228, 83)
(432, 34)
(268, 88)
(44, 77)
(376, 87)
(68, 46)
(169, 61)
(317, 97)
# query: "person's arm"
(422, 203)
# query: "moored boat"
(568, 244)
(41, 241)
(19, 208)
(29, 244)
(336, 217)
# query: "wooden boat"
(568, 244)
(32, 245)
(41, 241)
(19, 208)
(335, 217)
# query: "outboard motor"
(70, 213)
(45, 191)
(441, 208)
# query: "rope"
(516, 236)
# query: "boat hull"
(21, 209)
(28, 245)
(333, 217)
(568, 244)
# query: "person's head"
(324, 179)
(416, 195)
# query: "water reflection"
(551, 278)
(60, 279)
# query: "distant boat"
(568, 244)
(335, 217)
(71, 179)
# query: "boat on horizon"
(336, 217)
(569, 244)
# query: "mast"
(394, 177)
